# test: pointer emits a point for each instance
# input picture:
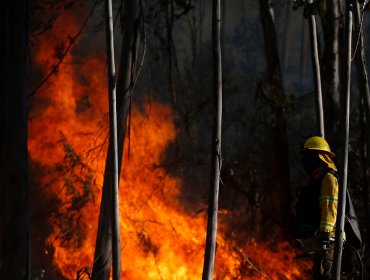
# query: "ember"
(67, 138)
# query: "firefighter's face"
(310, 161)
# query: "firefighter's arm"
(328, 203)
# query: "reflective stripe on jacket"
(328, 203)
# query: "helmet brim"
(320, 151)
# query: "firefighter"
(316, 207)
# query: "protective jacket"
(317, 203)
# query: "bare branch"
(254, 267)
(72, 40)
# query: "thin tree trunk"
(210, 249)
(286, 42)
(317, 76)
(223, 23)
(116, 256)
(339, 234)
(280, 173)
(169, 19)
(302, 62)
(201, 62)
(330, 69)
(14, 224)
(103, 248)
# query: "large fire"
(67, 139)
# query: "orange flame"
(159, 239)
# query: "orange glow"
(159, 240)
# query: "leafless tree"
(116, 248)
(276, 96)
(126, 78)
(317, 76)
(210, 252)
(331, 67)
(339, 233)
(363, 84)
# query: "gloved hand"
(322, 240)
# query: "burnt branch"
(72, 40)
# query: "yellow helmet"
(319, 144)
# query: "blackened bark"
(103, 248)
(210, 250)
(169, 22)
(363, 84)
(286, 42)
(270, 40)
(360, 60)
(14, 229)
(303, 51)
(280, 173)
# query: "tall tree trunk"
(14, 225)
(116, 248)
(303, 51)
(339, 232)
(286, 42)
(103, 248)
(170, 21)
(210, 250)
(317, 76)
(330, 69)
(360, 60)
(201, 59)
(363, 84)
(280, 173)
(364, 156)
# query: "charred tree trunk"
(280, 173)
(201, 60)
(365, 193)
(330, 69)
(286, 41)
(210, 252)
(103, 248)
(116, 248)
(363, 84)
(169, 23)
(360, 60)
(14, 228)
(303, 51)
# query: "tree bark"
(116, 248)
(330, 69)
(210, 249)
(280, 173)
(169, 23)
(14, 225)
(363, 84)
(360, 62)
(303, 51)
(103, 248)
(339, 232)
(286, 42)
(317, 76)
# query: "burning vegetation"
(68, 136)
